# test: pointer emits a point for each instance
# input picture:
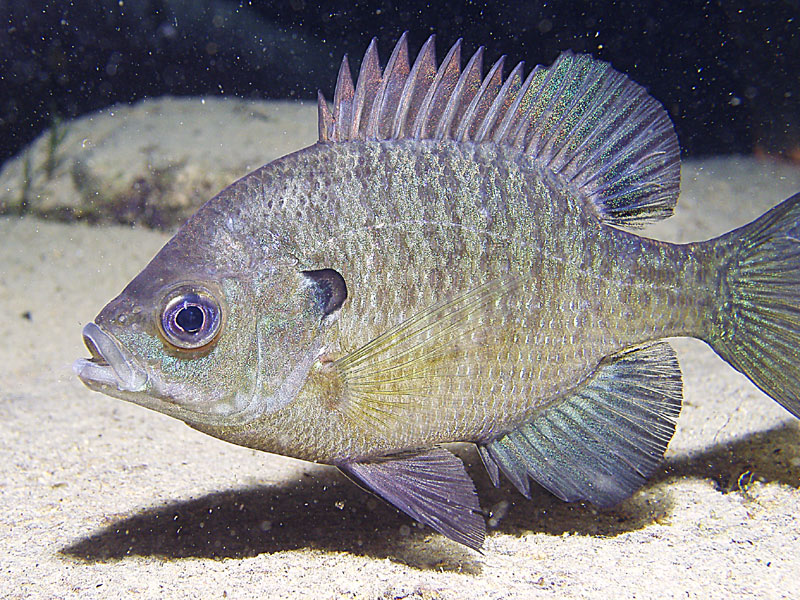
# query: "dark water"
(728, 71)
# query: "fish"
(455, 260)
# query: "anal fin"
(602, 442)
(432, 487)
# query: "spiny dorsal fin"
(594, 128)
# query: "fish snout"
(110, 364)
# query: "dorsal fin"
(591, 126)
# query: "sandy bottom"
(104, 499)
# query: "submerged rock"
(151, 164)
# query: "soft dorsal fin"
(591, 126)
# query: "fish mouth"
(110, 365)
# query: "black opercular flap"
(330, 290)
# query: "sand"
(99, 498)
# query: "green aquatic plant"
(56, 134)
(55, 137)
(27, 182)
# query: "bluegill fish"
(451, 262)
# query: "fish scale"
(448, 264)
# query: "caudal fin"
(758, 329)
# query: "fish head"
(211, 342)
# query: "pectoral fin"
(602, 442)
(433, 487)
(397, 373)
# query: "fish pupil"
(190, 319)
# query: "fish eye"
(190, 319)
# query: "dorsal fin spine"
(324, 118)
(369, 77)
(453, 112)
(342, 100)
(442, 87)
(473, 114)
(382, 114)
(500, 104)
(415, 88)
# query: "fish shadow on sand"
(326, 512)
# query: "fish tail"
(757, 329)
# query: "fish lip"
(110, 364)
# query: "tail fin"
(758, 330)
